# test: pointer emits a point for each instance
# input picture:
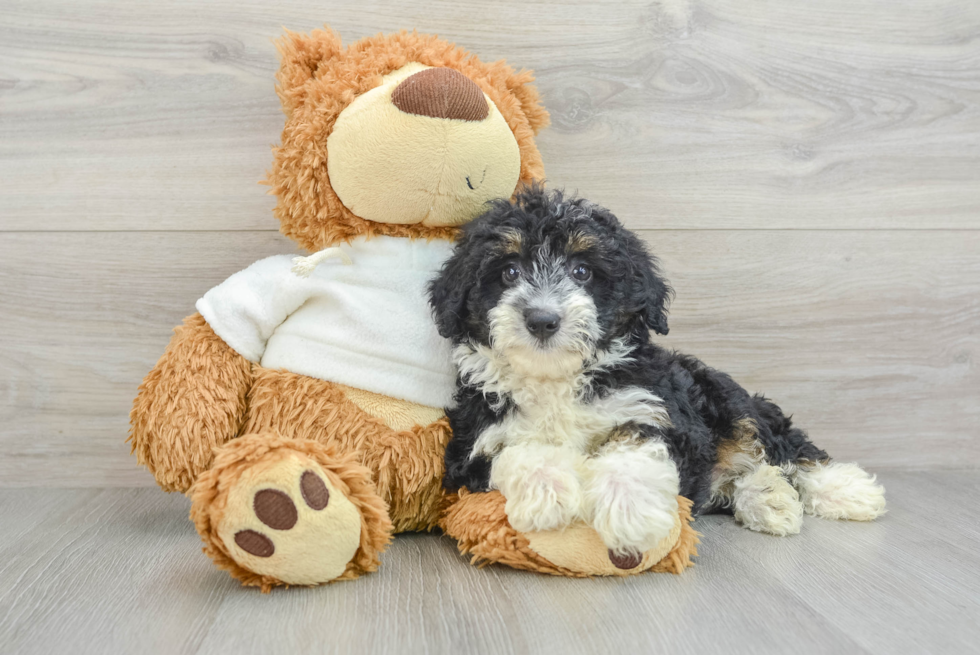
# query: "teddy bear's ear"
(301, 55)
(519, 84)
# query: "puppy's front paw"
(541, 486)
(549, 500)
(632, 495)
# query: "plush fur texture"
(237, 458)
(407, 465)
(207, 417)
(287, 413)
(193, 401)
(580, 416)
(479, 523)
(319, 78)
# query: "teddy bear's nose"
(441, 93)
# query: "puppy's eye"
(511, 273)
(582, 273)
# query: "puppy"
(566, 406)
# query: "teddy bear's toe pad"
(285, 520)
(579, 548)
(478, 522)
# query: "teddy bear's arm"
(246, 309)
(193, 400)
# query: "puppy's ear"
(658, 295)
(449, 292)
(650, 291)
(649, 295)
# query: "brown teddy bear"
(301, 407)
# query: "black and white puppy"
(565, 405)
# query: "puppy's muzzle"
(542, 324)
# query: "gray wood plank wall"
(807, 172)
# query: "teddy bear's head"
(400, 135)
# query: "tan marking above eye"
(512, 242)
(275, 509)
(579, 242)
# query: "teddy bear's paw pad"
(287, 520)
(626, 561)
(579, 548)
(255, 543)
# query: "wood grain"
(680, 113)
(120, 571)
(807, 173)
(869, 338)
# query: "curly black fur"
(631, 298)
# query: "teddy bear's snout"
(441, 93)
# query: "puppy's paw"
(549, 502)
(766, 502)
(541, 485)
(631, 493)
(840, 491)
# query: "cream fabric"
(396, 414)
(366, 324)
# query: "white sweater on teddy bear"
(364, 322)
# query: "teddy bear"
(301, 407)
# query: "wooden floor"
(807, 171)
(120, 571)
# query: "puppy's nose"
(441, 93)
(542, 324)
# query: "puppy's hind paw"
(841, 491)
(766, 502)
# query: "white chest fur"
(552, 411)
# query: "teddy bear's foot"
(274, 511)
(287, 520)
(478, 522)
